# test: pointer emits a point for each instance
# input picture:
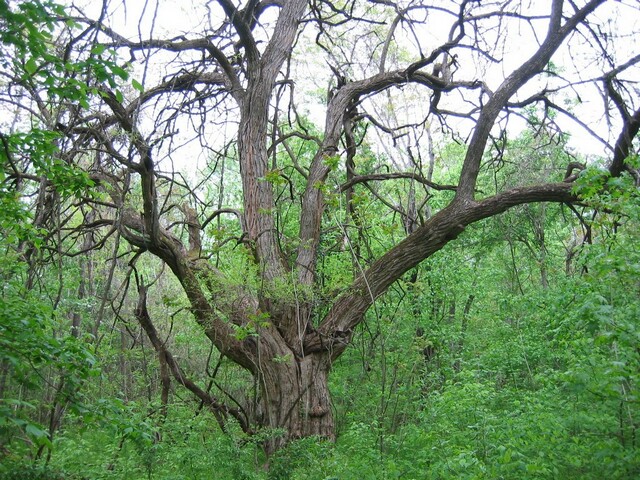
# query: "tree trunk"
(295, 399)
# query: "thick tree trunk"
(296, 400)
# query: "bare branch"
(394, 176)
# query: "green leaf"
(120, 72)
(101, 73)
(137, 85)
(31, 66)
(98, 49)
(35, 432)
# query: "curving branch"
(313, 201)
(556, 34)
(239, 22)
(199, 44)
(219, 409)
(169, 249)
(348, 310)
(395, 176)
(622, 149)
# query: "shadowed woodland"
(315, 239)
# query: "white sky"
(174, 18)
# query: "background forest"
(154, 304)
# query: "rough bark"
(296, 399)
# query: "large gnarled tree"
(238, 65)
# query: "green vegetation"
(146, 330)
(535, 384)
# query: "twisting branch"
(219, 409)
(630, 122)
(172, 252)
(242, 28)
(631, 126)
(337, 327)
(202, 44)
(556, 34)
(394, 176)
